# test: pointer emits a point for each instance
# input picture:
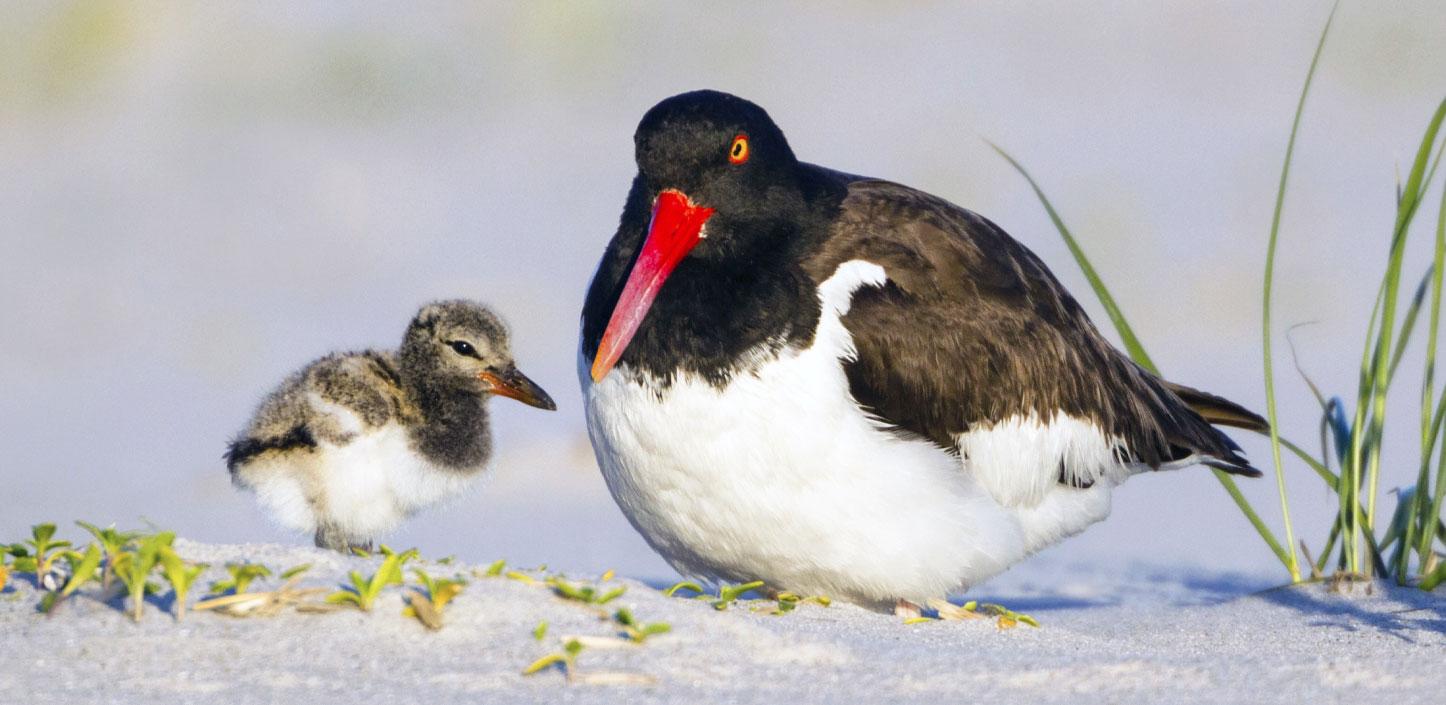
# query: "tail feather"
(1219, 410)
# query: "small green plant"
(181, 575)
(788, 602)
(638, 632)
(83, 569)
(240, 577)
(112, 543)
(495, 569)
(134, 569)
(684, 585)
(728, 594)
(38, 555)
(363, 592)
(586, 594)
(539, 631)
(294, 571)
(565, 660)
(427, 608)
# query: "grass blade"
(1270, 408)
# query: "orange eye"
(738, 153)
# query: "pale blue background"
(197, 199)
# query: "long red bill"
(675, 230)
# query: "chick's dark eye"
(462, 347)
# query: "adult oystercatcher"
(354, 443)
(844, 386)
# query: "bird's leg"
(907, 610)
(330, 536)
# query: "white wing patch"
(1021, 458)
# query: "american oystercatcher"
(844, 386)
(354, 443)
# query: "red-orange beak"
(675, 230)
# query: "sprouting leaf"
(684, 585)
(544, 662)
(636, 631)
(919, 620)
(290, 573)
(495, 569)
(728, 594)
(540, 630)
(181, 576)
(82, 571)
(606, 576)
(241, 576)
(363, 591)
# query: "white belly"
(780, 477)
(366, 487)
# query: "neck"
(454, 432)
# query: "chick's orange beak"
(513, 384)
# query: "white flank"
(1019, 459)
(365, 487)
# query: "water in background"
(199, 199)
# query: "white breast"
(779, 476)
(365, 487)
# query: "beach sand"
(1145, 634)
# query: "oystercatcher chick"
(354, 443)
(845, 386)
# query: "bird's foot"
(906, 610)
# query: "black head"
(461, 345)
(722, 151)
(717, 186)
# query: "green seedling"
(586, 594)
(82, 570)
(241, 575)
(181, 575)
(495, 569)
(363, 592)
(638, 632)
(292, 572)
(565, 660)
(521, 577)
(112, 543)
(41, 562)
(788, 602)
(684, 585)
(1007, 618)
(134, 569)
(539, 631)
(920, 620)
(4, 573)
(427, 609)
(728, 594)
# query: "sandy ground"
(1144, 634)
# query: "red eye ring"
(738, 151)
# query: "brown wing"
(972, 328)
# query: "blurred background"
(199, 198)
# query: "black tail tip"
(1236, 466)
